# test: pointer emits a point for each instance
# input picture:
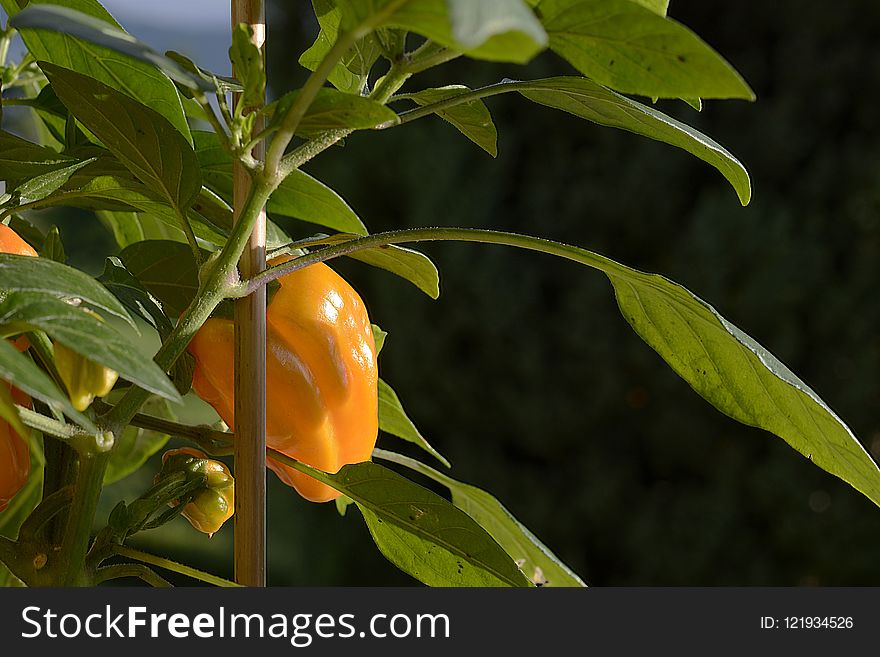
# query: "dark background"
(525, 375)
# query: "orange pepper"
(15, 459)
(322, 396)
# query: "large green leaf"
(351, 74)
(394, 420)
(299, 196)
(134, 295)
(472, 119)
(166, 269)
(419, 531)
(628, 47)
(25, 274)
(85, 332)
(139, 80)
(41, 186)
(22, 371)
(21, 159)
(121, 193)
(497, 30)
(130, 227)
(143, 140)
(593, 102)
(475, 23)
(522, 545)
(590, 101)
(73, 23)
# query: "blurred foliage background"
(525, 375)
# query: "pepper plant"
(181, 174)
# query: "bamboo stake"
(250, 366)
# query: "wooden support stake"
(250, 366)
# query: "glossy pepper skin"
(322, 397)
(214, 504)
(84, 379)
(15, 459)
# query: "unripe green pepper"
(215, 503)
(85, 379)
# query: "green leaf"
(351, 73)
(136, 445)
(41, 186)
(131, 227)
(247, 61)
(378, 337)
(20, 370)
(53, 247)
(628, 47)
(657, 6)
(739, 376)
(332, 110)
(475, 23)
(134, 296)
(413, 266)
(21, 159)
(86, 333)
(419, 531)
(218, 83)
(299, 196)
(75, 23)
(472, 119)
(520, 544)
(138, 80)
(25, 274)
(495, 30)
(590, 101)
(166, 269)
(394, 420)
(144, 141)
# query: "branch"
(140, 571)
(173, 566)
(434, 234)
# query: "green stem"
(173, 566)
(466, 97)
(187, 229)
(55, 428)
(74, 547)
(304, 98)
(216, 443)
(385, 89)
(435, 234)
(118, 571)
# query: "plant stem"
(304, 99)
(168, 564)
(118, 571)
(200, 434)
(47, 425)
(87, 490)
(466, 97)
(437, 234)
